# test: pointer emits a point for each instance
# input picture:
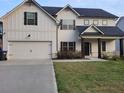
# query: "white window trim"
(87, 21)
(68, 26)
(103, 22)
(68, 46)
(28, 18)
(96, 21)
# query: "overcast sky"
(114, 6)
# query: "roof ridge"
(72, 7)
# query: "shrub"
(115, 57)
(105, 55)
(122, 58)
(69, 55)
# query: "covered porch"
(98, 41)
(97, 47)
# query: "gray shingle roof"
(107, 30)
(87, 12)
(111, 31)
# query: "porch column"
(121, 48)
(99, 48)
(82, 48)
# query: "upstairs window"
(30, 18)
(104, 22)
(95, 22)
(68, 46)
(86, 22)
(67, 24)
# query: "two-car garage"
(29, 50)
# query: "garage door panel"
(29, 50)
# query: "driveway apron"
(27, 76)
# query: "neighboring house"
(1, 34)
(32, 31)
(120, 24)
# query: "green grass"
(90, 77)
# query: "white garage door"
(29, 50)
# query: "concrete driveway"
(27, 76)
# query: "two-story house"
(120, 24)
(32, 31)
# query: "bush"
(69, 55)
(105, 56)
(110, 56)
(122, 58)
(115, 58)
(3, 55)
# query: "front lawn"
(90, 77)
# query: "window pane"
(71, 46)
(104, 22)
(64, 43)
(31, 22)
(30, 15)
(71, 27)
(64, 46)
(95, 22)
(64, 49)
(64, 27)
(86, 22)
(68, 24)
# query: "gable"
(67, 13)
(15, 20)
(32, 2)
(68, 7)
(92, 29)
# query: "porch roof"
(107, 30)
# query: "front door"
(87, 47)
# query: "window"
(67, 24)
(30, 18)
(86, 22)
(103, 46)
(67, 46)
(95, 22)
(104, 22)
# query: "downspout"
(57, 35)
